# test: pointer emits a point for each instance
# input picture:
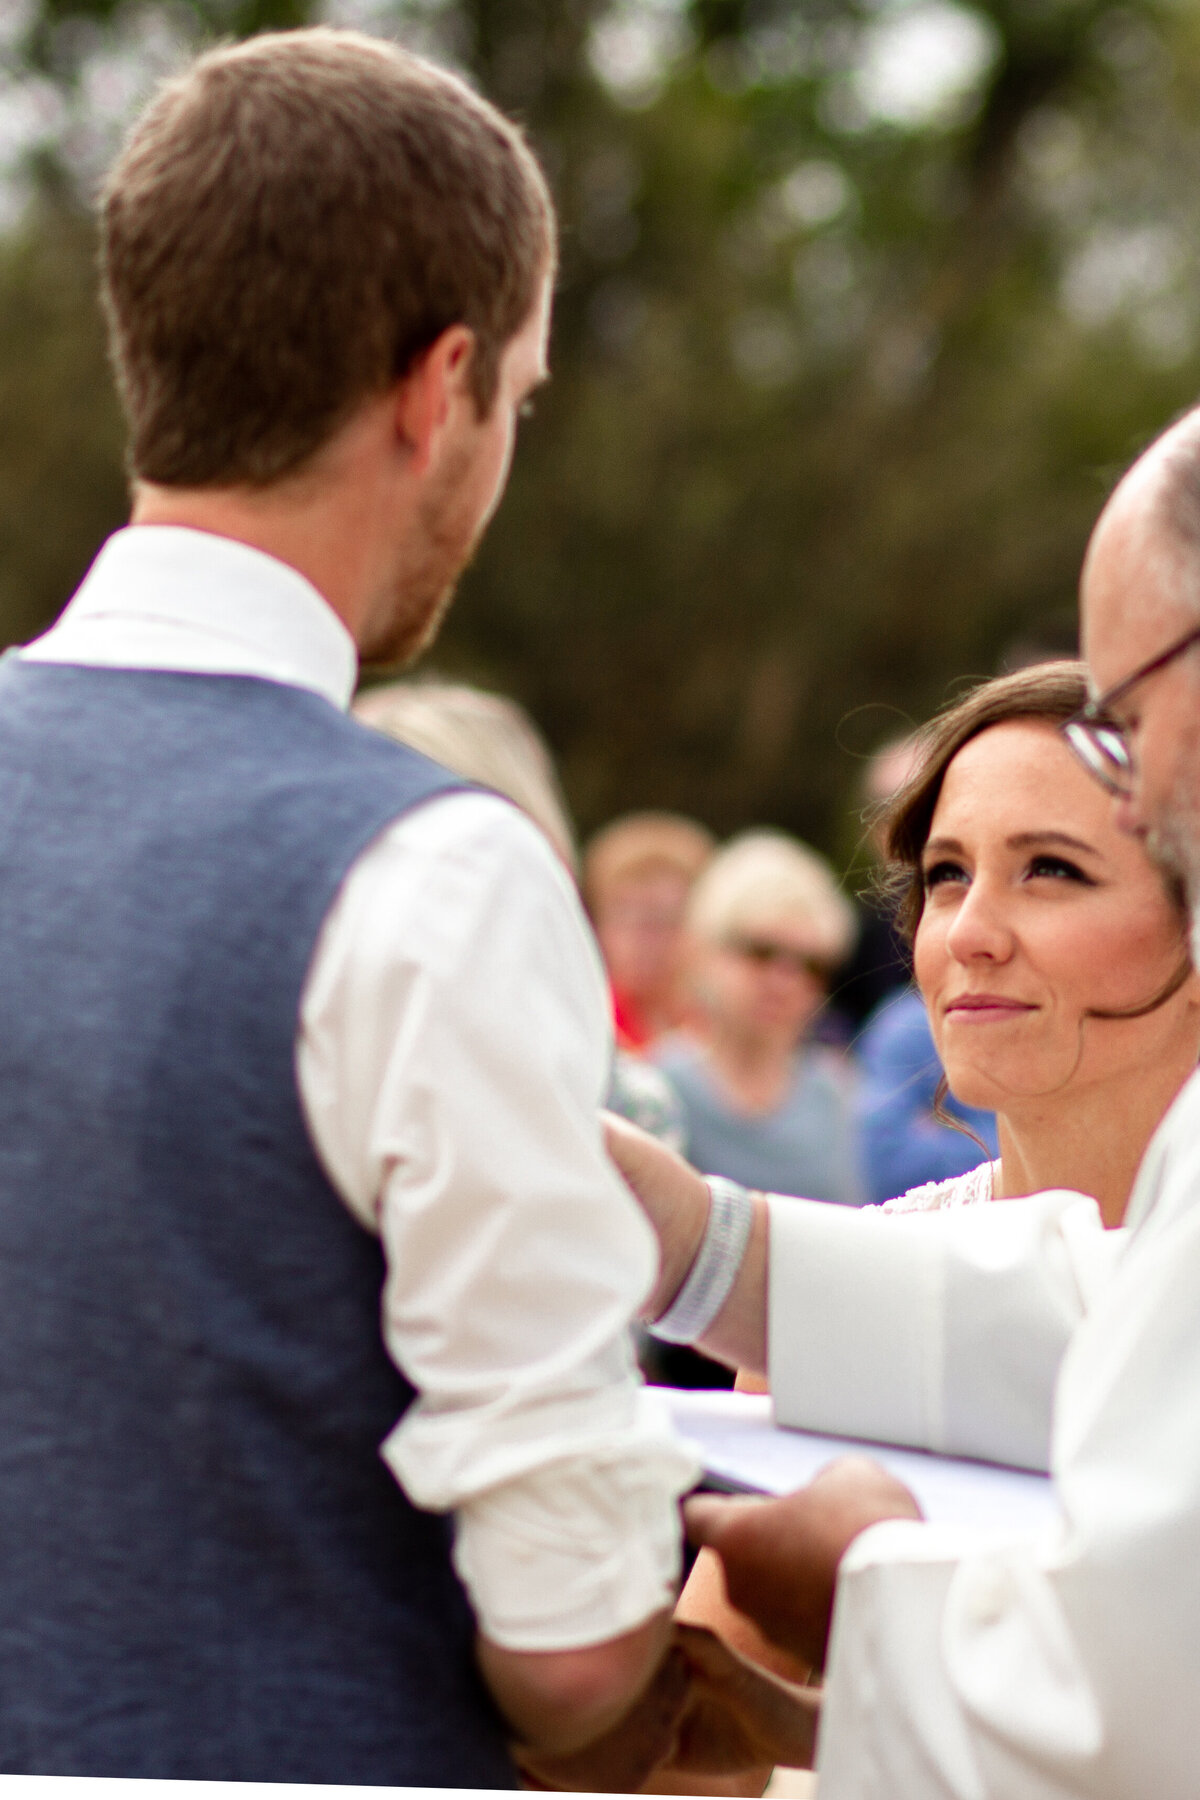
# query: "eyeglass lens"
(1104, 754)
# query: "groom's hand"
(738, 1715)
(706, 1712)
(781, 1557)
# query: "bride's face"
(1038, 914)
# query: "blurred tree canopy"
(863, 304)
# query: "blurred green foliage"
(842, 370)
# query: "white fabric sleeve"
(955, 1673)
(453, 1055)
(1061, 1666)
(891, 1724)
(943, 1330)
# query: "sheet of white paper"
(740, 1442)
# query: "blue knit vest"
(206, 1570)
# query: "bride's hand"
(674, 1198)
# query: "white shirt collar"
(166, 597)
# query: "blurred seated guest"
(764, 1105)
(637, 874)
(485, 737)
(907, 1118)
(880, 964)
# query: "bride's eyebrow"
(942, 846)
(1024, 840)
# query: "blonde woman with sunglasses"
(764, 1104)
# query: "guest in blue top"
(763, 1104)
(903, 1142)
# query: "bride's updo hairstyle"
(1052, 692)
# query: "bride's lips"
(985, 1008)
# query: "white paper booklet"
(741, 1444)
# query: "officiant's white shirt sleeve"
(453, 1055)
(943, 1330)
(1062, 1667)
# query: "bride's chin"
(995, 1088)
(980, 1096)
(1001, 1090)
(970, 1086)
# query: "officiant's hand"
(781, 1557)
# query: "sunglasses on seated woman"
(1098, 738)
(765, 953)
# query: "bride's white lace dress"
(961, 1190)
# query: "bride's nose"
(981, 927)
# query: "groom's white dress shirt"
(452, 1054)
(1064, 1666)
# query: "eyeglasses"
(766, 954)
(1098, 739)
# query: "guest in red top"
(637, 874)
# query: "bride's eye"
(939, 873)
(1059, 868)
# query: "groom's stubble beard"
(426, 576)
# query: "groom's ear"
(424, 399)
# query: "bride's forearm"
(675, 1198)
(738, 1334)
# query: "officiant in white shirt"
(1063, 1665)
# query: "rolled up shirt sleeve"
(453, 1054)
(943, 1330)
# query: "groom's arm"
(454, 1049)
(560, 1702)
